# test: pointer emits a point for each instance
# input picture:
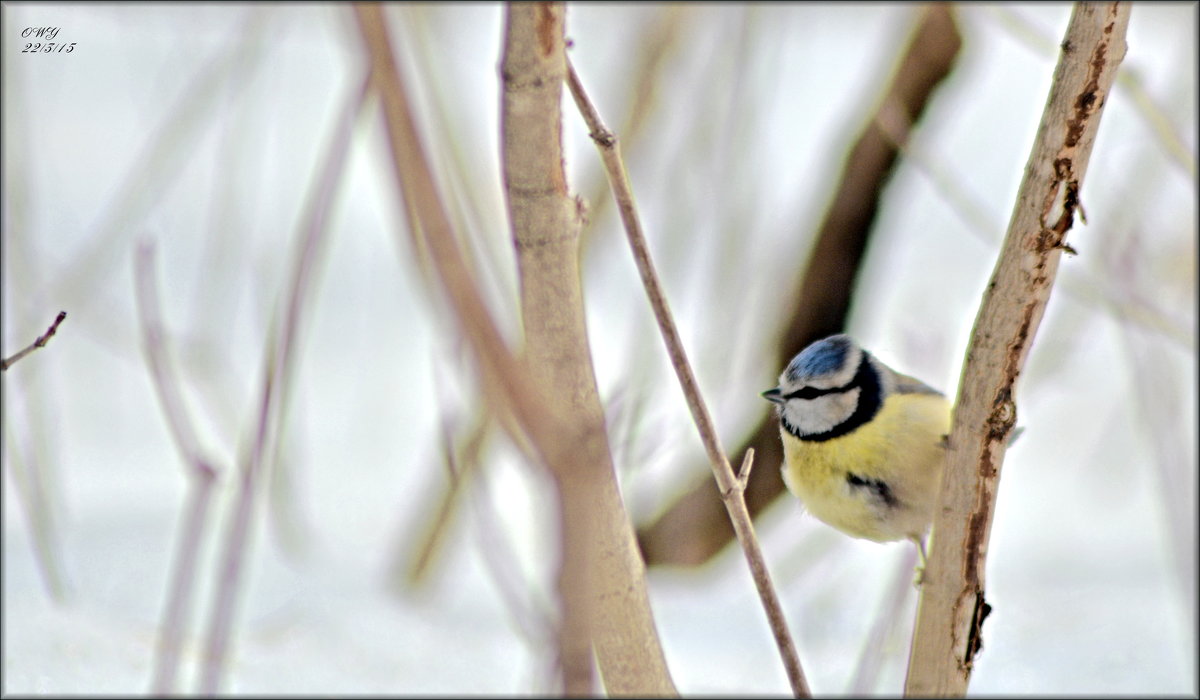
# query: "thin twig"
(729, 485)
(170, 397)
(278, 356)
(32, 456)
(658, 43)
(39, 343)
(163, 155)
(743, 476)
(413, 568)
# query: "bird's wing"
(911, 385)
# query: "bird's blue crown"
(823, 357)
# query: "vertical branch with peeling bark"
(952, 607)
(603, 578)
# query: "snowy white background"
(1092, 568)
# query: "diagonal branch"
(39, 343)
(281, 349)
(731, 487)
(952, 608)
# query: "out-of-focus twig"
(163, 155)
(657, 43)
(1087, 288)
(39, 343)
(1166, 133)
(530, 608)
(278, 358)
(468, 187)
(509, 387)
(310, 252)
(695, 526)
(27, 472)
(729, 484)
(459, 471)
(199, 468)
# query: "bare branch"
(727, 482)
(545, 231)
(744, 472)
(170, 397)
(39, 343)
(278, 357)
(605, 600)
(952, 608)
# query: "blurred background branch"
(695, 526)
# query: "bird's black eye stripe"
(870, 399)
(809, 392)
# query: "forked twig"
(39, 343)
(743, 476)
(170, 397)
(731, 486)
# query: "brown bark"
(602, 582)
(952, 607)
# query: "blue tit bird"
(863, 444)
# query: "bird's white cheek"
(820, 415)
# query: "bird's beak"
(773, 395)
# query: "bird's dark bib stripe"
(869, 401)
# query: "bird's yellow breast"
(900, 449)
